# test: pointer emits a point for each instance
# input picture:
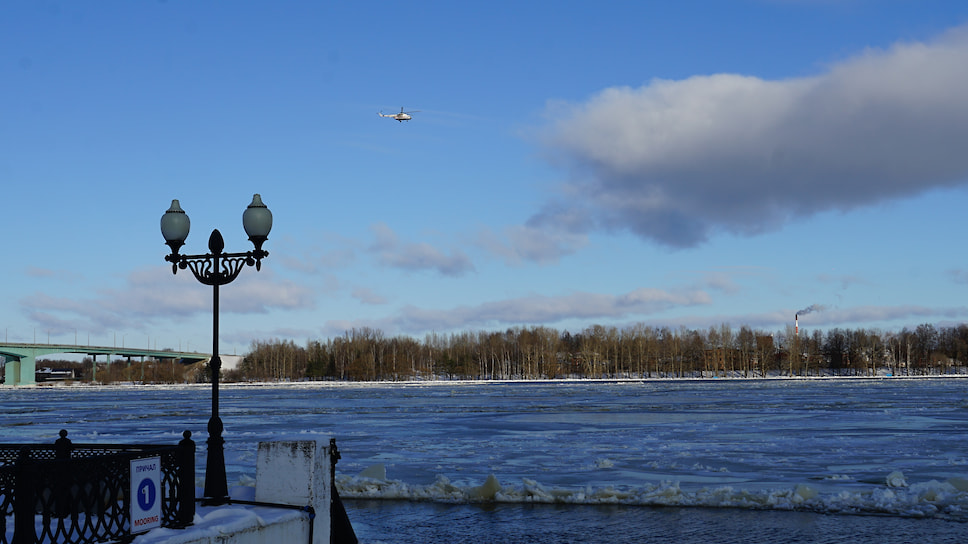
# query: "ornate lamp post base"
(216, 486)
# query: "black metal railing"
(69, 493)
(341, 530)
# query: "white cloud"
(531, 243)
(325, 252)
(910, 314)
(151, 295)
(529, 310)
(853, 317)
(678, 161)
(417, 256)
(367, 296)
(259, 293)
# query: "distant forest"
(637, 351)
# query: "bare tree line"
(636, 351)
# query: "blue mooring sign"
(145, 491)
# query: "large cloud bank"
(678, 161)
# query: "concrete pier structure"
(292, 502)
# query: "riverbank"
(958, 373)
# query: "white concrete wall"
(297, 473)
(293, 472)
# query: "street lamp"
(215, 269)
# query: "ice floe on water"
(946, 499)
(883, 447)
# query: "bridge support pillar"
(11, 374)
(28, 370)
(21, 372)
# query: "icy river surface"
(852, 460)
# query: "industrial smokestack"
(809, 309)
(796, 323)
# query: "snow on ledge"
(294, 473)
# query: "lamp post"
(216, 269)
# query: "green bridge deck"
(20, 360)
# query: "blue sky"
(572, 163)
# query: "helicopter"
(402, 116)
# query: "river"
(821, 460)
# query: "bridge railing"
(79, 493)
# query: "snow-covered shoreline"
(449, 382)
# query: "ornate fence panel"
(79, 493)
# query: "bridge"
(20, 360)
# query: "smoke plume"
(812, 308)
